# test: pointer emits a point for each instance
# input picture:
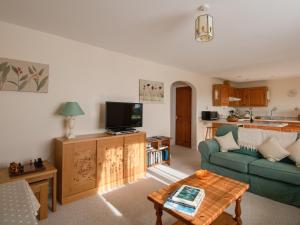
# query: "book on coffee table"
(186, 199)
(189, 195)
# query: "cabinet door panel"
(234, 92)
(258, 96)
(245, 97)
(292, 127)
(134, 156)
(220, 95)
(216, 95)
(79, 167)
(110, 161)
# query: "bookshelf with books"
(158, 150)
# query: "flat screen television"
(123, 115)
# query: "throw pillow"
(294, 150)
(272, 151)
(227, 142)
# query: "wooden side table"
(32, 178)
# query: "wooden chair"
(210, 132)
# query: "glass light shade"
(71, 109)
(204, 28)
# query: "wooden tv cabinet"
(97, 162)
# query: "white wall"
(83, 73)
(278, 96)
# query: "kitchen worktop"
(283, 119)
(268, 123)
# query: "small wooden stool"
(210, 132)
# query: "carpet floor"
(128, 204)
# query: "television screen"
(121, 115)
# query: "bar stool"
(210, 132)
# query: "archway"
(174, 86)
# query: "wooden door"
(79, 167)
(134, 157)
(258, 96)
(110, 161)
(183, 116)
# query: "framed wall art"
(16, 75)
(151, 91)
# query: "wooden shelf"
(160, 143)
(162, 162)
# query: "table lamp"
(70, 110)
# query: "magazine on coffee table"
(188, 195)
(182, 207)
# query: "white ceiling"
(254, 39)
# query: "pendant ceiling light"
(204, 31)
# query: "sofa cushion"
(226, 128)
(234, 161)
(272, 150)
(227, 142)
(275, 170)
(294, 149)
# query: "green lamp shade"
(71, 109)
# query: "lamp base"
(70, 136)
(70, 127)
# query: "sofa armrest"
(206, 148)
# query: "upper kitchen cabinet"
(244, 95)
(220, 95)
(225, 95)
(234, 97)
(258, 96)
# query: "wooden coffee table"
(220, 192)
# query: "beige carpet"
(128, 204)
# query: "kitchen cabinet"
(292, 127)
(220, 95)
(249, 97)
(244, 94)
(258, 96)
(234, 93)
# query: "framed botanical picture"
(151, 91)
(16, 75)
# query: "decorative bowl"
(232, 119)
(202, 173)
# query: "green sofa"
(279, 181)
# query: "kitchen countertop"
(269, 123)
(287, 120)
